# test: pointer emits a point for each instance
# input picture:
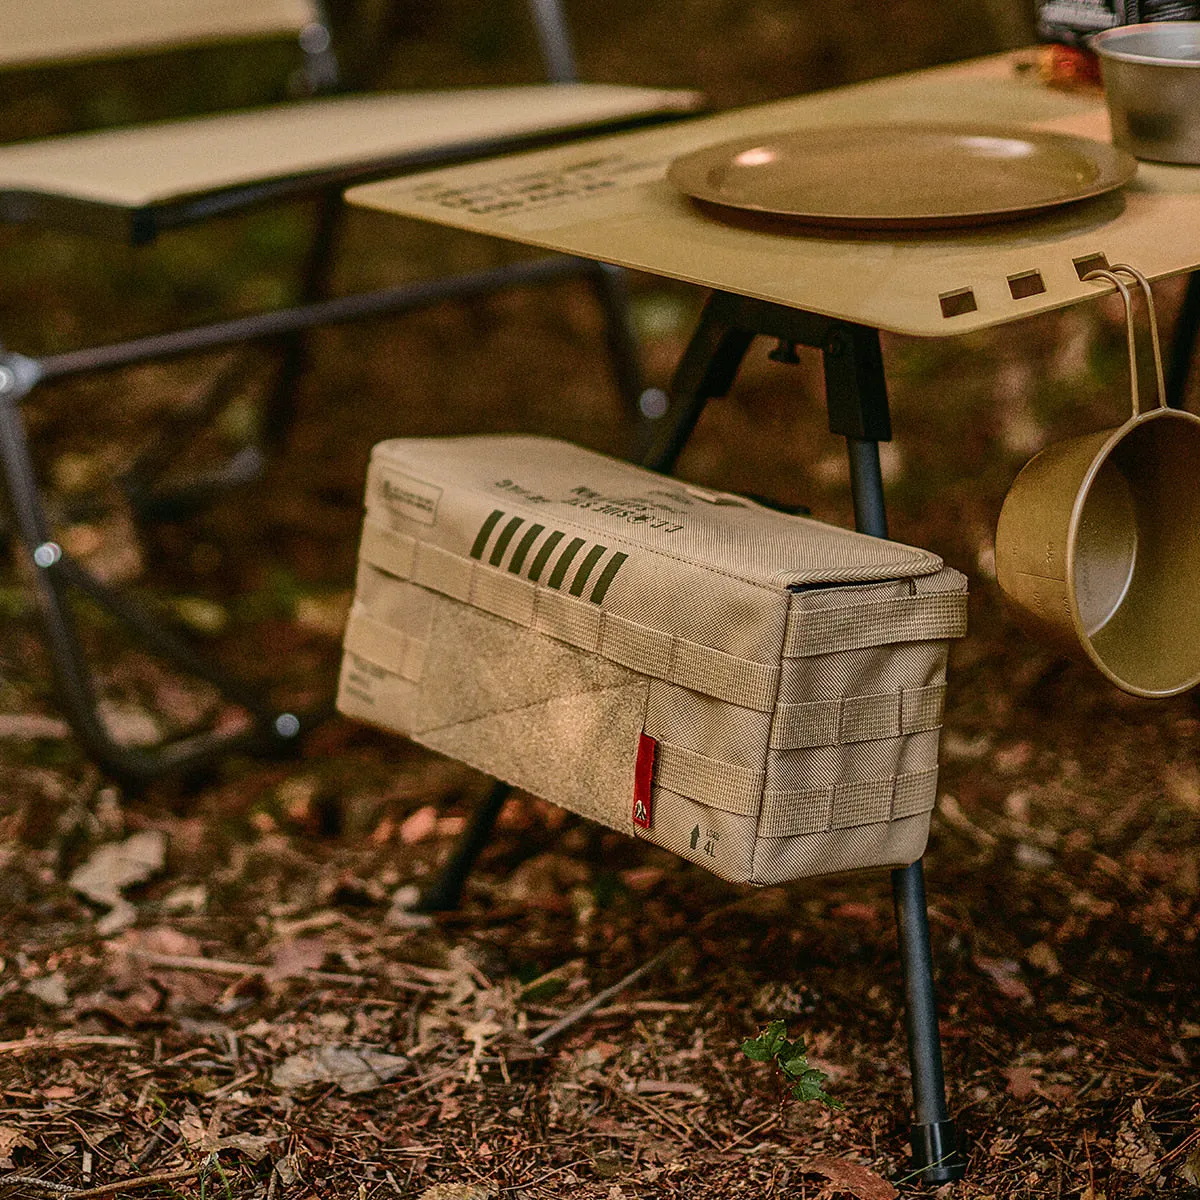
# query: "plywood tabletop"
(609, 199)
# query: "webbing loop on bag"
(921, 618)
(395, 651)
(857, 718)
(847, 805)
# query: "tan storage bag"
(759, 693)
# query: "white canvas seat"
(338, 138)
(38, 32)
(136, 182)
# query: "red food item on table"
(1069, 67)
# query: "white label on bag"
(405, 496)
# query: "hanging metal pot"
(1098, 543)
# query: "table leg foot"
(935, 1153)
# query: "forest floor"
(214, 987)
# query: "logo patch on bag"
(408, 497)
(643, 780)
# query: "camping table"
(608, 199)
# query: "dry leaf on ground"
(1021, 1083)
(457, 1191)
(1138, 1148)
(296, 956)
(353, 1069)
(1006, 975)
(50, 989)
(116, 866)
(846, 1176)
(12, 1139)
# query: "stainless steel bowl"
(1152, 84)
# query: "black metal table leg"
(856, 395)
(935, 1149)
(445, 892)
(935, 1152)
(707, 370)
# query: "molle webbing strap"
(812, 631)
(386, 647)
(717, 784)
(846, 805)
(787, 813)
(857, 718)
(572, 620)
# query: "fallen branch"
(140, 1181)
(10, 1182)
(57, 1041)
(65, 1190)
(32, 726)
(224, 966)
(601, 998)
(660, 959)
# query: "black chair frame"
(56, 576)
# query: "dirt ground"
(213, 987)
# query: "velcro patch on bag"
(643, 781)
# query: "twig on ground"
(737, 1141)
(141, 1181)
(665, 1119)
(645, 1006)
(223, 966)
(668, 1087)
(428, 1082)
(602, 997)
(12, 1182)
(53, 1188)
(233, 1085)
(57, 1041)
(27, 726)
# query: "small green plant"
(792, 1059)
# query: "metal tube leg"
(62, 639)
(279, 411)
(707, 370)
(445, 892)
(866, 487)
(935, 1150)
(608, 283)
(1183, 344)
(54, 575)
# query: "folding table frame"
(832, 293)
(856, 396)
(56, 575)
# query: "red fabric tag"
(643, 778)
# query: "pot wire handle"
(1152, 315)
(1130, 336)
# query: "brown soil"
(149, 1059)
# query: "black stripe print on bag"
(554, 560)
